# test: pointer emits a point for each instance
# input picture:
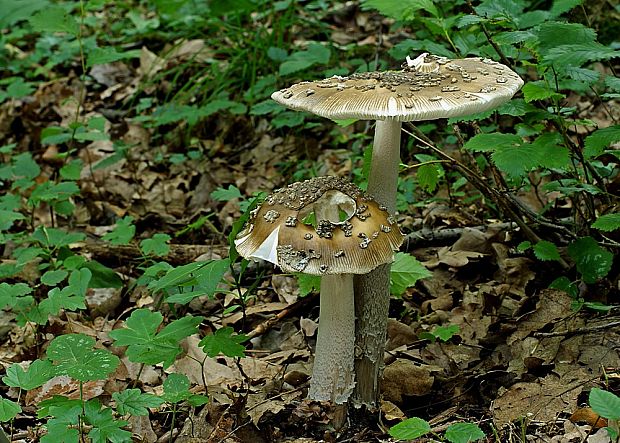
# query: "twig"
(584, 330)
(289, 310)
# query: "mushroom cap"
(427, 88)
(365, 239)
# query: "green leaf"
(539, 90)
(38, 373)
(599, 140)
(54, 19)
(72, 170)
(411, 428)
(401, 9)
(197, 400)
(176, 388)
(100, 56)
(58, 299)
(550, 151)
(203, 276)
(14, 11)
(224, 342)
(552, 35)
(52, 278)
(55, 238)
(221, 194)
(463, 433)
(19, 88)
(8, 409)
(428, 177)
(300, 60)
(102, 276)
(605, 404)
(7, 218)
(516, 161)
(122, 233)
(607, 222)
(25, 167)
(147, 346)
(405, 272)
(104, 427)
(134, 402)
(559, 7)
(10, 293)
(593, 262)
(545, 250)
(445, 333)
(564, 284)
(156, 245)
(492, 142)
(73, 355)
(578, 54)
(308, 283)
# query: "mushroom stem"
(332, 373)
(333, 376)
(372, 290)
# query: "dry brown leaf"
(405, 378)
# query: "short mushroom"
(428, 87)
(353, 234)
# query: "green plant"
(607, 405)
(413, 428)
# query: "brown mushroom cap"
(428, 88)
(365, 239)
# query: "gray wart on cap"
(365, 238)
(428, 87)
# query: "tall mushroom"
(353, 234)
(428, 87)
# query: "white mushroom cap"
(366, 238)
(427, 88)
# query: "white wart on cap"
(428, 87)
(365, 238)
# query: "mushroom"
(352, 234)
(428, 87)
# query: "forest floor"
(483, 340)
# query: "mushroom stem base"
(332, 373)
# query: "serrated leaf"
(463, 433)
(605, 403)
(401, 9)
(73, 355)
(577, 54)
(612, 83)
(411, 428)
(607, 222)
(104, 427)
(122, 233)
(224, 342)
(10, 293)
(539, 90)
(134, 402)
(445, 333)
(593, 261)
(559, 7)
(545, 250)
(564, 284)
(554, 34)
(8, 409)
(599, 140)
(156, 245)
(54, 19)
(428, 177)
(99, 56)
(300, 60)
(516, 161)
(176, 388)
(492, 142)
(221, 194)
(145, 344)
(405, 272)
(38, 373)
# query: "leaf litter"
(515, 357)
